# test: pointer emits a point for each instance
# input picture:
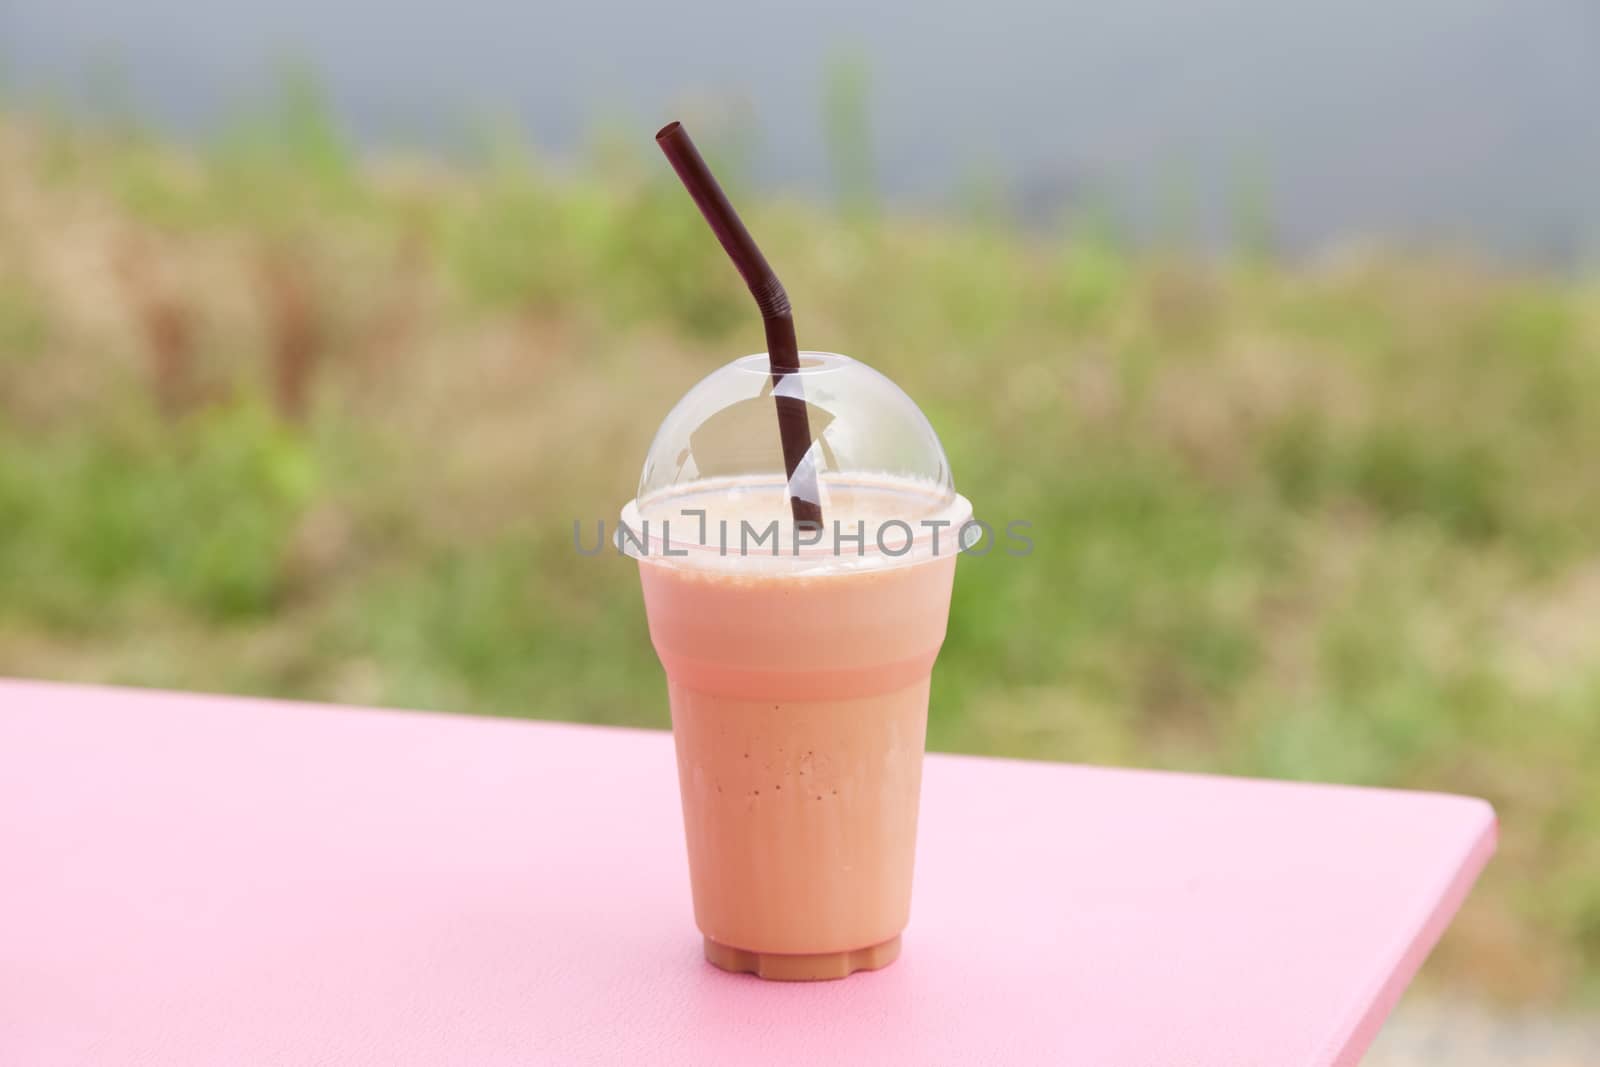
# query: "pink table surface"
(203, 880)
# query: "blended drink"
(798, 675)
(799, 695)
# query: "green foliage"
(1253, 235)
(500, 631)
(511, 245)
(197, 515)
(293, 136)
(1096, 277)
(1402, 473)
(848, 135)
(286, 168)
(530, 240)
(24, 326)
(1455, 484)
(662, 264)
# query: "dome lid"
(874, 457)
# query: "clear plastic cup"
(797, 659)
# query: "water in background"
(1433, 121)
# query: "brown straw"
(783, 352)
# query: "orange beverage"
(799, 708)
(798, 659)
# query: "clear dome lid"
(874, 459)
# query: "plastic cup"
(798, 660)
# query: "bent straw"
(783, 352)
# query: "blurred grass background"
(278, 420)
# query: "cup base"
(817, 967)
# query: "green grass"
(1334, 520)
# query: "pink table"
(196, 880)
